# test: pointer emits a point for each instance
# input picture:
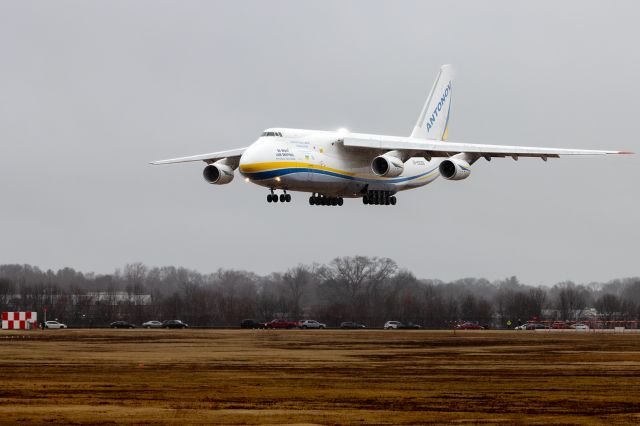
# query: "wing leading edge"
(207, 158)
(447, 149)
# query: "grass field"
(318, 376)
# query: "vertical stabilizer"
(433, 122)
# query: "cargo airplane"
(333, 165)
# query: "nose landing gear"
(273, 197)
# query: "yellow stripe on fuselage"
(278, 165)
(274, 165)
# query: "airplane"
(333, 165)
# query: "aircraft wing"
(433, 148)
(207, 158)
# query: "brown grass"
(319, 376)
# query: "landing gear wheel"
(282, 198)
(274, 198)
(365, 200)
(340, 201)
(393, 200)
(269, 198)
(287, 198)
(312, 200)
(334, 201)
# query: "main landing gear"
(321, 200)
(284, 198)
(379, 198)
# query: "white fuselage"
(316, 161)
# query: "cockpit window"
(279, 134)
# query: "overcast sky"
(92, 91)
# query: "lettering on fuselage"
(282, 153)
(436, 110)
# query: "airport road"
(318, 376)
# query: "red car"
(469, 326)
(280, 323)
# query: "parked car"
(121, 324)
(468, 326)
(559, 325)
(409, 326)
(174, 324)
(392, 325)
(251, 323)
(352, 325)
(54, 324)
(520, 327)
(580, 326)
(311, 324)
(535, 326)
(280, 323)
(152, 324)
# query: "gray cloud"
(92, 91)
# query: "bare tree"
(296, 281)
(537, 300)
(571, 300)
(608, 305)
(354, 279)
(6, 292)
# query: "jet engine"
(454, 169)
(218, 173)
(387, 165)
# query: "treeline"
(369, 290)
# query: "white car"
(54, 324)
(152, 324)
(312, 324)
(581, 327)
(392, 325)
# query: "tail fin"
(433, 121)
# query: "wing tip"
(625, 153)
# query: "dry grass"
(319, 376)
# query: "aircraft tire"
(269, 198)
(312, 200)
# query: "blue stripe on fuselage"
(270, 174)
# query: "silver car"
(152, 324)
(312, 324)
(54, 324)
(389, 325)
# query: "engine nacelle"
(218, 173)
(387, 165)
(454, 169)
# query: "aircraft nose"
(249, 157)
